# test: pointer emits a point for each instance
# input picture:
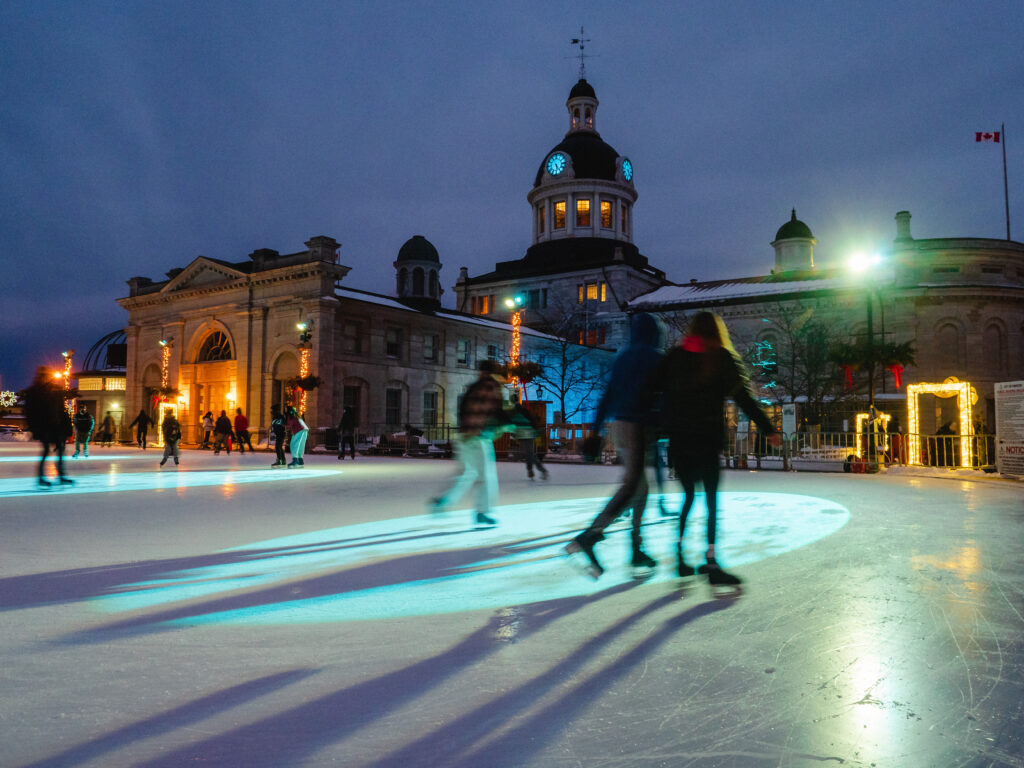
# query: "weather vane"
(580, 41)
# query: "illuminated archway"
(949, 388)
(860, 418)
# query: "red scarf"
(694, 344)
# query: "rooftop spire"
(580, 43)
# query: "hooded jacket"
(623, 398)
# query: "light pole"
(866, 266)
(305, 347)
(514, 303)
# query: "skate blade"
(726, 591)
(581, 563)
(641, 574)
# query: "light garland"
(962, 390)
(165, 362)
(69, 403)
(8, 399)
(514, 357)
(859, 420)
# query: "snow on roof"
(723, 290)
(451, 314)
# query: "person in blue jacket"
(625, 403)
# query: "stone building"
(231, 339)
(959, 301)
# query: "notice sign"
(1010, 428)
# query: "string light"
(962, 390)
(305, 348)
(69, 403)
(8, 399)
(859, 420)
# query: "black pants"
(243, 440)
(693, 464)
(206, 439)
(529, 449)
(348, 440)
(58, 451)
(279, 448)
(631, 445)
(140, 437)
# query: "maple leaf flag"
(993, 137)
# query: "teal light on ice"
(436, 564)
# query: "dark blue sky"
(136, 136)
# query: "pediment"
(199, 273)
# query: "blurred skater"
(207, 430)
(481, 419)
(83, 423)
(346, 434)
(625, 402)
(300, 431)
(222, 433)
(278, 427)
(109, 427)
(242, 431)
(171, 429)
(526, 436)
(141, 424)
(48, 421)
(695, 378)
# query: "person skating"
(299, 432)
(481, 419)
(109, 428)
(222, 433)
(624, 401)
(526, 436)
(207, 430)
(83, 423)
(242, 431)
(278, 427)
(48, 421)
(695, 379)
(346, 434)
(141, 424)
(171, 429)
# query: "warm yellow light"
(948, 388)
(58, 375)
(859, 420)
(231, 396)
(301, 326)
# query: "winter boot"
(482, 520)
(682, 568)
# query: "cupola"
(794, 246)
(417, 268)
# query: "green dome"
(793, 229)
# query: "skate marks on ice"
(436, 564)
(170, 478)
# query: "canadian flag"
(993, 137)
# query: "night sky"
(137, 136)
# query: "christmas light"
(948, 388)
(69, 403)
(859, 420)
(8, 399)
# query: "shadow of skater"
(448, 745)
(286, 738)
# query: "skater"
(481, 420)
(242, 431)
(695, 378)
(222, 433)
(207, 430)
(526, 436)
(141, 423)
(109, 427)
(299, 432)
(346, 434)
(171, 429)
(49, 422)
(83, 423)
(278, 426)
(626, 402)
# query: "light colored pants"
(171, 449)
(298, 444)
(476, 455)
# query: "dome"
(794, 228)
(582, 88)
(591, 157)
(418, 248)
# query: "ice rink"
(224, 613)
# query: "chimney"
(322, 248)
(903, 226)
(463, 275)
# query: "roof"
(794, 228)
(740, 289)
(582, 88)
(591, 157)
(418, 248)
(567, 255)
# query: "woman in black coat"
(695, 379)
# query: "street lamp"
(866, 266)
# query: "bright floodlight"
(163, 342)
(302, 326)
(862, 262)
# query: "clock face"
(556, 163)
(627, 170)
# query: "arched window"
(947, 345)
(215, 347)
(403, 280)
(589, 118)
(576, 118)
(993, 345)
(434, 285)
(417, 281)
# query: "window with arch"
(403, 280)
(215, 347)
(559, 218)
(417, 281)
(589, 118)
(576, 118)
(947, 338)
(435, 285)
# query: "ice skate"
(683, 569)
(581, 555)
(723, 584)
(44, 484)
(437, 505)
(66, 481)
(277, 465)
(484, 521)
(643, 564)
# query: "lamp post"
(867, 267)
(69, 404)
(305, 347)
(514, 303)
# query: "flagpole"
(1006, 186)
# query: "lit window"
(559, 215)
(216, 347)
(540, 219)
(576, 118)
(606, 214)
(92, 384)
(591, 290)
(114, 384)
(485, 305)
(579, 294)
(604, 296)
(589, 118)
(583, 213)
